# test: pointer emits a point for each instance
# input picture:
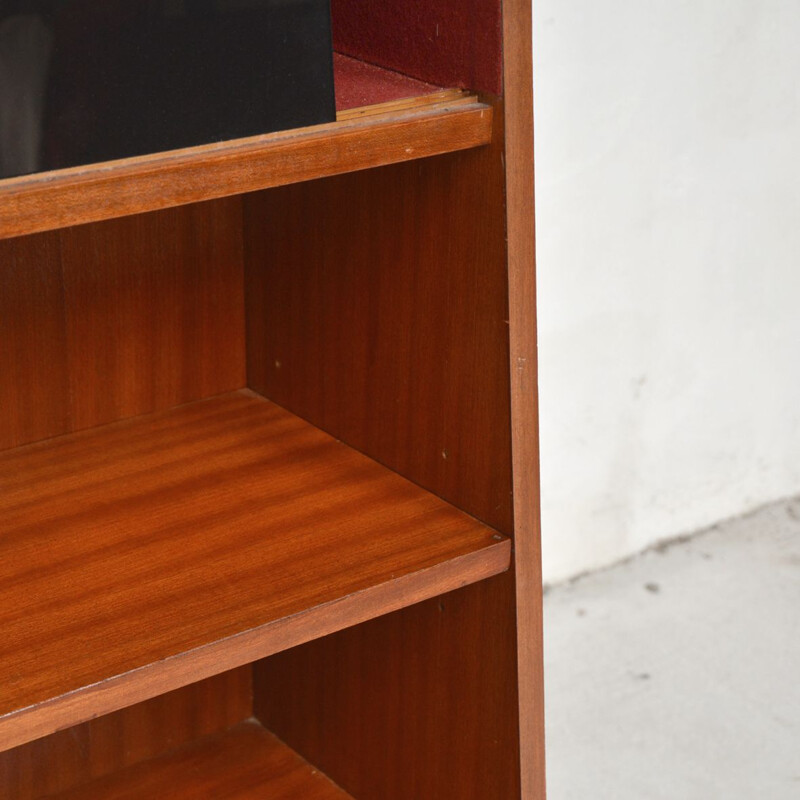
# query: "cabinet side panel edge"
(524, 397)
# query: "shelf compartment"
(400, 119)
(151, 553)
(245, 761)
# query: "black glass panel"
(83, 81)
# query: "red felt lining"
(359, 84)
(443, 42)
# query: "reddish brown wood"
(155, 311)
(245, 763)
(449, 97)
(108, 744)
(379, 312)
(148, 183)
(154, 552)
(112, 320)
(32, 341)
(421, 703)
(146, 555)
(377, 309)
(524, 402)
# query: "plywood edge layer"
(363, 139)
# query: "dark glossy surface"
(83, 81)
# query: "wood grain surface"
(244, 763)
(392, 306)
(378, 310)
(518, 101)
(111, 320)
(421, 703)
(151, 553)
(110, 743)
(154, 311)
(130, 186)
(32, 341)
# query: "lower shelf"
(244, 762)
(151, 553)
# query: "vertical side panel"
(75, 756)
(377, 310)
(419, 704)
(155, 310)
(524, 398)
(34, 396)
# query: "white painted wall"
(668, 246)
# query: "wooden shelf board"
(389, 126)
(150, 553)
(244, 762)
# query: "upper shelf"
(150, 553)
(395, 119)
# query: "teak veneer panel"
(377, 309)
(32, 341)
(153, 552)
(155, 311)
(116, 319)
(146, 183)
(420, 703)
(244, 763)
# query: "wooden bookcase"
(268, 449)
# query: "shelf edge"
(150, 183)
(151, 680)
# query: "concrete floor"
(676, 675)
